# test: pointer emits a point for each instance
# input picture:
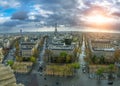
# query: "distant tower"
(21, 32)
(55, 29)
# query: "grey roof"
(28, 43)
(26, 48)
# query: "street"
(10, 56)
(40, 60)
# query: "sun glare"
(98, 19)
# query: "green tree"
(110, 71)
(117, 55)
(75, 65)
(19, 58)
(32, 59)
(68, 59)
(10, 62)
(111, 67)
(35, 53)
(99, 72)
(76, 50)
(41, 42)
(102, 60)
(63, 54)
(94, 58)
(48, 54)
(17, 48)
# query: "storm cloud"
(20, 15)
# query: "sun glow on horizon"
(98, 19)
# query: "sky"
(17, 14)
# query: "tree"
(35, 53)
(19, 58)
(17, 45)
(68, 59)
(94, 59)
(110, 69)
(17, 48)
(101, 60)
(99, 72)
(75, 65)
(32, 59)
(76, 50)
(63, 54)
(48, 54)
(10, 62)
(117, 55)
(41, 42)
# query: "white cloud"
(37, 10)
(114, 9)
(4, 19)
(9, 3)
(81, 4)
(32, 17)
(42, 22)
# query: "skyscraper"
(21, 32)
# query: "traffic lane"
(7, 58)
(70, 81)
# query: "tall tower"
(21, 32)
(55, 29)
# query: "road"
(41, 55)
(40, 60)
(82, 55)
(10, 56)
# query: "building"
(102, 47)
(61, 43)
(6, 43)
(21, 32)
(27, 49)
(57, 49)
(7, 77)
(1, 54)
(26, 52)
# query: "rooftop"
(28, 43)
(7, 77)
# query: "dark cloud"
(20, 15)
(63, 11)
(116, 14)
(13, 23)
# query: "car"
(110, 82)
(91, 76)
(41, 62)
(41, 73)
(83, 70)
(83, 66)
